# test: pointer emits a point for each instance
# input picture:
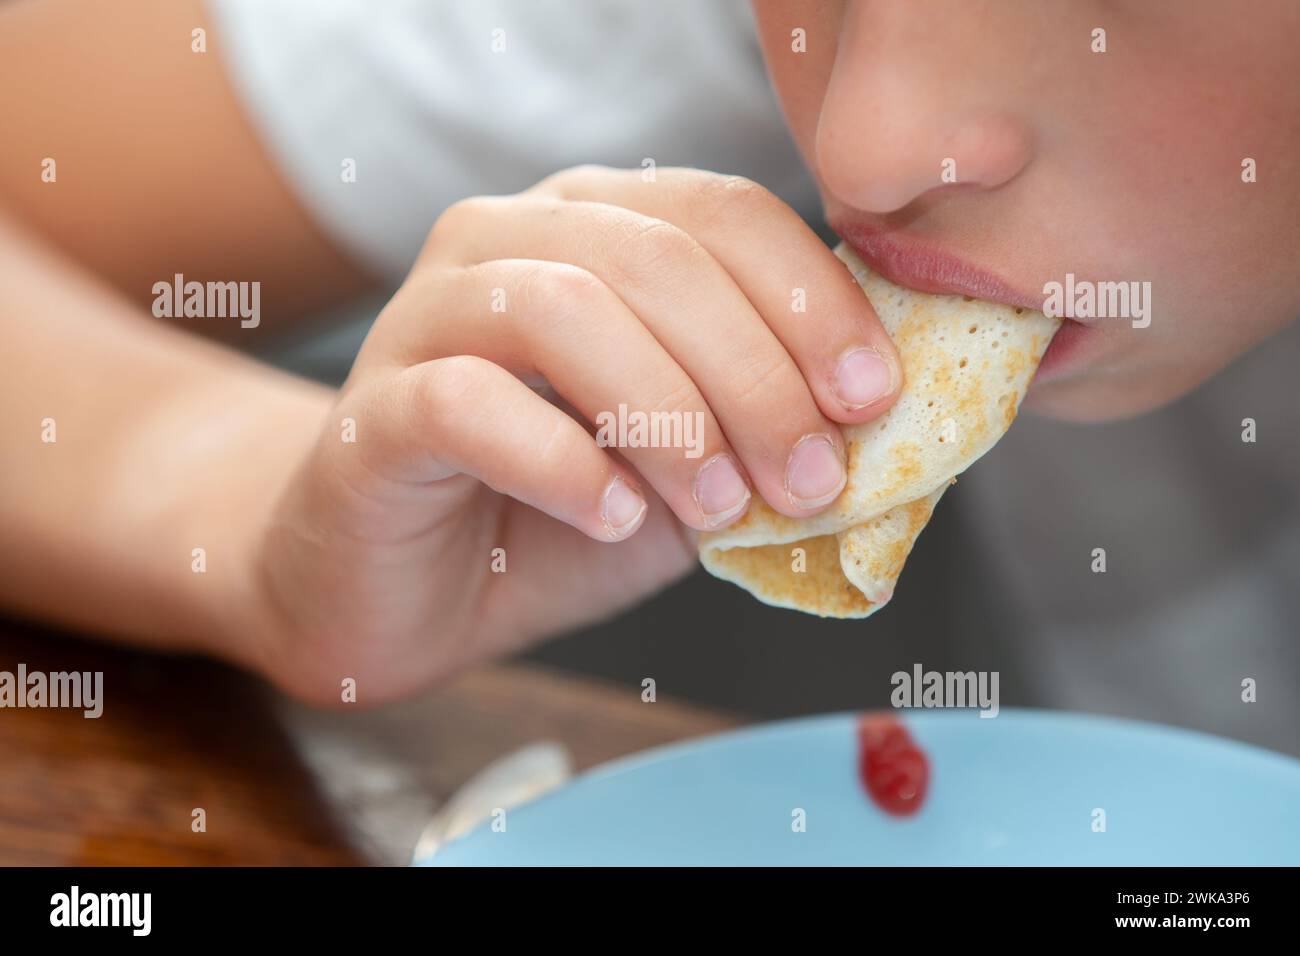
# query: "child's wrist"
(238, 618)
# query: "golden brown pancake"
(967, 365)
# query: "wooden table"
(279, 783)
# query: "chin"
(1092, 399)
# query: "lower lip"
(1065, 349)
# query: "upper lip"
(918, 265)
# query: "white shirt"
(437, 100)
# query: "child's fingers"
(803, 292)
(465, 415)
(560, 324)
(694, 309)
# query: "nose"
(907, 110)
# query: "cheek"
(1107, 393)
(1156, 193)
(1179, 202)
(1165, 190)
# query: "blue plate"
(1022, 788)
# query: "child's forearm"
(126, 447)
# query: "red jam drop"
(893, 770)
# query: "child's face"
(1116, 166)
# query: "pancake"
(967, 365)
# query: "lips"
(909, 262)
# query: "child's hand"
(695, 293)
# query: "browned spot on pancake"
(907, 468)
(1008, 403)
(1017, 362)
(884, 561)
(768, 573)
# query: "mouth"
(917, 265)
(909, 262)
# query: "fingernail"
(622, 509)
(815, 474)
(862, 377)
(720, 491)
